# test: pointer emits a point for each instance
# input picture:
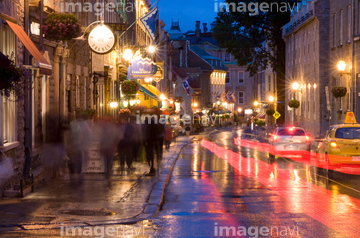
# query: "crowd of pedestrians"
(121, 141)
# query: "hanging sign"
(141, 67)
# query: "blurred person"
(53, 153)
(126, 145)
(110, 137)
(168, 136)
(138, 144)
(149, 137)
(160, 137)
(80, 141)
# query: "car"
(341, 145)
(289, 142)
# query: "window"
(241, 76)
(334, 30)
(341, 27)
(348, 23)
(227, 78)
(348, 133)
(269, 88)
(77, 91)
(290, 132)
(241, 97)
(227, 57)
(8, 116)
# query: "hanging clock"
(101, 39)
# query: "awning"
(45, 67)
(147, 92)
(261, 115)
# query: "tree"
(243, 26)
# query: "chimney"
(205, 27)
(213, 24)
(197, 29)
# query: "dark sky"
(187, 11)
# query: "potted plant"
(294, 103)
(61, 27)
(124, 114)
(339, 92)
(187, 130)
(13, 78)
(130, 87)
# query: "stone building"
(237, 79)
(12, 113)
(307, 60)
(344, 37)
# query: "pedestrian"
(149, 136)
(126, 145)
(160, 137)
(168, 137)
(110, 136)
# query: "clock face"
(101, 39)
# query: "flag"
(186, 85)
(150, 22)
(228, 96)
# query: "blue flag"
(150, 21)
(186, 86)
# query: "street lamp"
(151, 49)
(239, 109)
(195, 104)
(256, 103)
(295, 86)
(162, 97)
(113, 105)
(271, 99)
(128, 54)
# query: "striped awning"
(147, 92)
(261, 115)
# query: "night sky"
(187, 11)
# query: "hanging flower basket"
(339, 92)
(13, 78)
(61, 27)
(294, 104)
(124, 113)
(130, 87)
(270, 112)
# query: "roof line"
(201, 58)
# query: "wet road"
(221, 189)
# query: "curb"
(166, 182)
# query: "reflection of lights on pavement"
(256, 169)
(296, 175)
(195, 162)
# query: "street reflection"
(299, 184)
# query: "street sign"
(276, 115)
(117, 26)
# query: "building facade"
(307, 60)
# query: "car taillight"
(307, 138)
(334, 144)
(275, 138)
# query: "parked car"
(289, 141)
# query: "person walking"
(168, 137)
(149, 137)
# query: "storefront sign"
(96, 163)
(141, 67)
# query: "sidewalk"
(127, 198)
